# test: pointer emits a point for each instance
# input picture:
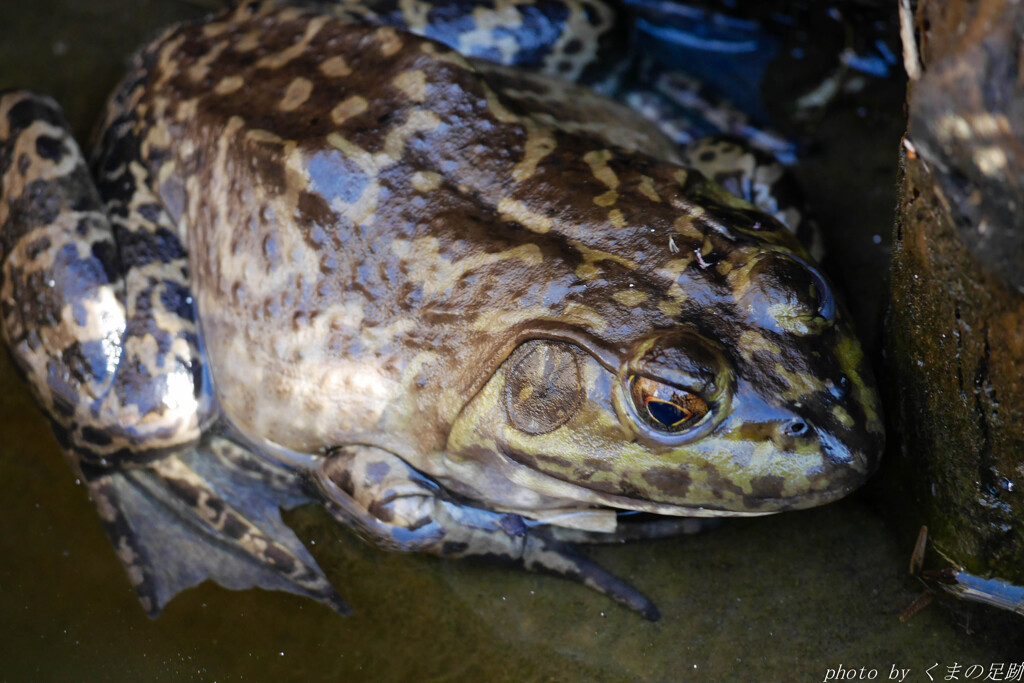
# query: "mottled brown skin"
(417, 276)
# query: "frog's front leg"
(396, 507)
(98, 316)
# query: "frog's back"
(370, 222)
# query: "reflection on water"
(790, 595)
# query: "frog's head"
(735, 386)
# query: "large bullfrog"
(472, 310)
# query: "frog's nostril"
(796, 427)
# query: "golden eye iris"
(664, 407)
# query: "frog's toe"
(554, 557)
(211, 512)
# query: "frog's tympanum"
(472, 310)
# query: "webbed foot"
(208, 512)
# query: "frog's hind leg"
(394, 506)
(96, 310)
(207, 512)
(97, 315)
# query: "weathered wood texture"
(954, 369)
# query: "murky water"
(788, 596)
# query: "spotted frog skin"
(471, 310)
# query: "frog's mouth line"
(577, 492)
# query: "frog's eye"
(664, 407)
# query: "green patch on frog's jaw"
(748, 464)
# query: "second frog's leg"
(723, 144)
(98, 316)
(579, 40)
(391, 504)
(758, 177)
